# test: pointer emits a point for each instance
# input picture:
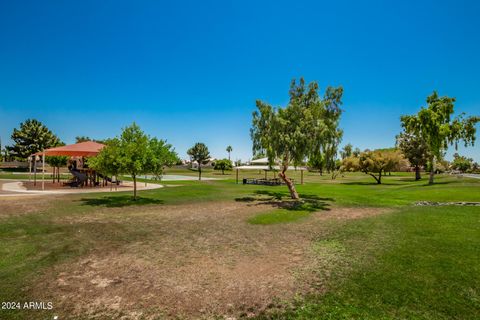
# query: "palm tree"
(229, 149)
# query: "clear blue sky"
(191, 71)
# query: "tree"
(301, 130)
(129, 153)
(317, 162)
(162, 155)
(346, 151)
(415, 150)
(79, 139)
(435, 126)
(373, 163)
(356, 152)
(461, 163)
(108, 161)
(30, 138)
(229, 149)
(223, 164)
(199, 153)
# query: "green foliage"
(436, 128)
(56, 161)
(162, 155)
(199, 153)
(134, 153)
(30, 138)
(373, 162)
(108, 161)
(346, 151)
(223, 164)
(462, 163)
(79, 139)
(414, 149)
(229, 149)
(307, 126)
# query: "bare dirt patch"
(23, 204)
(195, 260)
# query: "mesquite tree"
(300, 130)
(435, 126)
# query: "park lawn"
(417, 263)
(413, 262)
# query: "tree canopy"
(373, 163)
(199, 153)
(32, 137)
(462, 163)
(162, 155)
(414, 149)
(223, 164)
(134, 153)
(307, 126)
(436, 128)
(346, 151)
(229, 150)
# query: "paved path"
(16, 188)
(471, 175)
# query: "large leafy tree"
(199, 153)
(32, 136)
(307, 126)
(434, 124)
(415, 150)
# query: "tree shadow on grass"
(281, 200)
(119, 201)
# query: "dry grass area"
(189, 260)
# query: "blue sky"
(191, 71)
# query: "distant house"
(210, 163)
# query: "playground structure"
(82, 176)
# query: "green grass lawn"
(411, 263)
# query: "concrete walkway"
(16, 188)
(471, 175)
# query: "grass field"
(351, 250)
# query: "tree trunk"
(432, 170)
(378, 179)
(134, 187)
(53, 174)
(289, 183)
(417, 173)
(199, 172)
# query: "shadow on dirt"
(119, 201)
(281, 200)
